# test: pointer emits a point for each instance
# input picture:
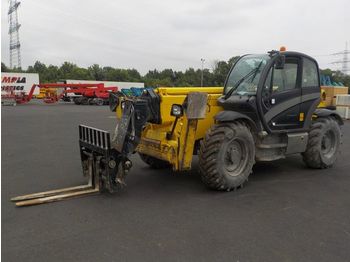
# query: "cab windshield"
(244, 77)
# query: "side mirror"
(280, 61)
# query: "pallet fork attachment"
(103, 165)
(92, 187)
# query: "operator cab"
(278, 91)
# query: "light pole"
(202, 60)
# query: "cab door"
(281, 98)
(310, 86)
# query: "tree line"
(153, 78)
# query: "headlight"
(176, 110)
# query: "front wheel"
(323, 144)
(99, 101)
(227, 156)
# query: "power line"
(345, 61)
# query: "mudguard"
(229, 116)
(323, 112)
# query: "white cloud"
(162, 34)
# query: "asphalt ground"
(286, 212)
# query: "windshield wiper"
(257, 69)
(229, 93)
(254, 71)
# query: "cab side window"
(286, 78)
(310, 74)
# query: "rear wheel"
(77, 100)
(154, 162)
(323, 144)
(226, 156)
(99, 101)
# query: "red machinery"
(8, 97)
(84, 93)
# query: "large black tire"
(227, 156)
(99, 101)
(154, 162)
(90, 101)
(77, 100)
(323, 144)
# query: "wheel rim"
(235, 157)
(328, 144)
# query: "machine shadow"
(190, 181)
